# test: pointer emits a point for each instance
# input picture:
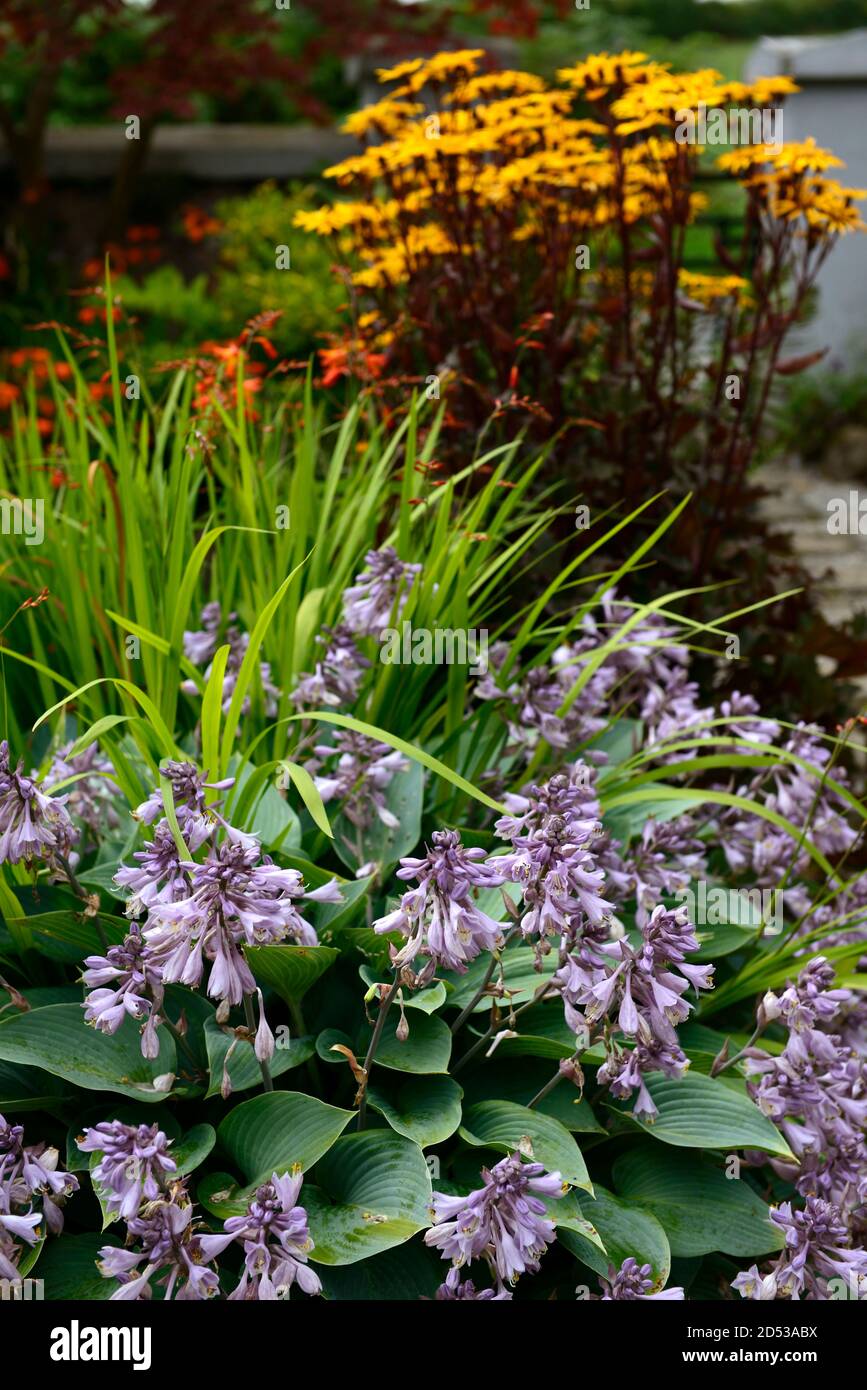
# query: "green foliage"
(377, 1079)
(175, 314)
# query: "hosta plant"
(326, 974)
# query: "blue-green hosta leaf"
(30, 1256)
(403, 1274)
(370, 1193)
(428, 1000)
(290, 970)
(330, 1038)
(244, 1070)
(193, 1148)
(30, 1088)
(57, 1040)
(427, 1049)
(378, 843)
(699, 1208)
(542, 1032)
(499, 1124)
(42, 995)
(69, 1270)
(334, 917)
(427, 1109)
(625, 1229)
(273, 1132)
(521, 1082)
(704, 1112)
(70, 936)
(367, 942)
(522, 980)
(567, 1214)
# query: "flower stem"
(465, 1013)
(537, 999)
(181, 1042)
(722, 1063)
(384, 1006)
(546, 1090)
(82, 893)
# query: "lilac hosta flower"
(751, 1284)
(672, 712)
(766, 853)
(742, 712)
(92, 798)
(201, 646)
(624, 1070)
(28, 1175)
(134, 1165)
(795, 793)
(439, 918)
(379, 593)
(551, 859)
(531, 703)
(276, 1242)
(197, 821)
(809, 1003)
(170, 1247)
(643, 993)
(126, 982)
(197, 913)
(503, 1222)
(815, 1091)
(33, 825)
(264, 1045)
(160, 876)
(633, 1281)
(336, 678)
(233, 901)
(818, 1250)
(360, 770)
(455, 1289)
(665, 861)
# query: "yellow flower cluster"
(708, 289)
(788, 180)
(459, 158)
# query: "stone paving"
(800, 506)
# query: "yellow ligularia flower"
(367, 165)
(803, 157)
(507, 81)
(603, 70)
(707, 289)
(387, 116)
(824, 205)
(402, 70)
(764, 91)
(324, 221)
(438, 69)
(501, 156)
